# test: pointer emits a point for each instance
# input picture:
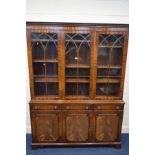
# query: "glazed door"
(106, 126)
(77, 64)
(44, 48)
(45, 126)
(109, 64)
(77, 126)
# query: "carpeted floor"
(79, 150)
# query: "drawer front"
(45, 107)
(76, 107)
(107, 107)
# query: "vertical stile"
(93, 71)
(29, 49)
(61, 62)
(123, 65)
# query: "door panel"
(109, 64)
(106, 126)
(46, 126)
(77, 64)
(45, 63)
(77, 126)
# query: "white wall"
(87, 11)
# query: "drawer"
(107, 107)
(45, 107)
(76, 107)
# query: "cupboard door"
(77, 64)
(107, 125)
(45, 126)
(109, 64)
(45, 63)
(77, 126)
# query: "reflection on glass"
(108, 72)
(107, 89)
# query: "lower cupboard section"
(56, 127)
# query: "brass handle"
(67, 107)
(99, 107)
(55, 107)
(117, 107)
(87, 107)
(35, 107)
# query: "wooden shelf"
(68, 40)
(108, 76)
(77, 96)
(78, 77)
(108, 66)
(106, 80)
(47, 76)
(43, 40)
(42, 60)
(45, 79)
(110, 46)
(77, 66)
(77, 80)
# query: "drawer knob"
(67, 107)
(117, 107)
(55, 107)
(99, 107)
(35, 107)
(87, 107)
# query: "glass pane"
(77, 48)
(77, 73)
(105, 73)
(77, 59)
(71, 89)
(52, 88)
(38, 69)
(52, 69)
(44, 46)
(83, 89)
(83, 72)
(39, 88)
(107, 89)
(71, 72)
(51, 51)
(116, 56)
(111, 40)
(37, 51)
(103, 56)
(84, 54)
(45, 63)
(101, 89)
(71, 54)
